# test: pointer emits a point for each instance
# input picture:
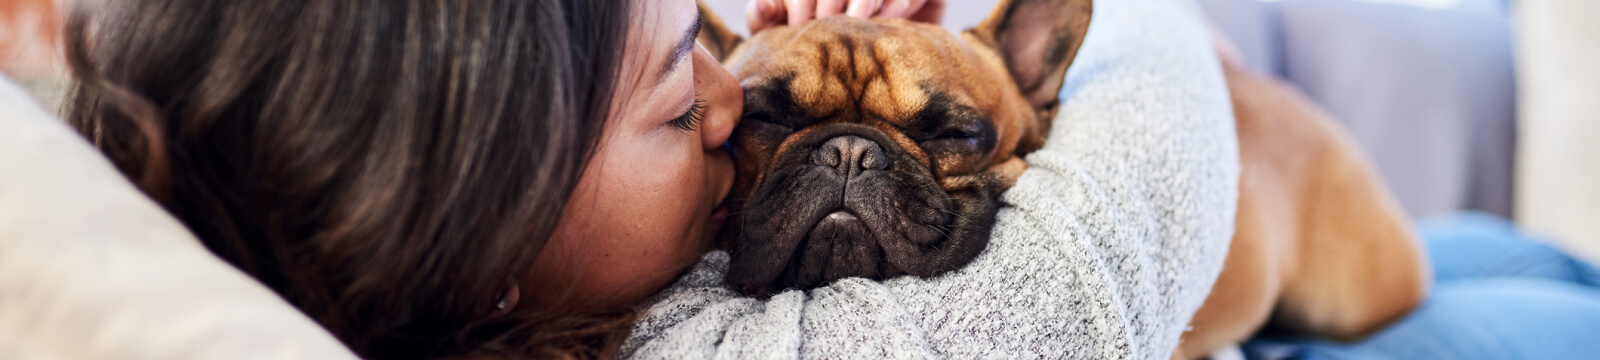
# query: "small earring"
(507, 300)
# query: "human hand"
(762, 14)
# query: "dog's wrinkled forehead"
(888, 70)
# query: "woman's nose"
(723, 96)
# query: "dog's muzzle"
(843, 201)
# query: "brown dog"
(1319, 244)
(878, 148)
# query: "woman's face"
(649, 202)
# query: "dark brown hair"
(390, 167)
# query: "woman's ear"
(714, 34)
(1037, 39)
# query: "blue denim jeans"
(1498, 294)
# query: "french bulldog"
(879, 148)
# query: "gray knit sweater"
(1110, 241)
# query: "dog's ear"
(714, 34)
(1037, 39)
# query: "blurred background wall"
(1558, 172)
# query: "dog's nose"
(851, 155)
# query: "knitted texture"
(1108, 244)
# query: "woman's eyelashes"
(690, 120)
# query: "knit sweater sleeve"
(1106, 247)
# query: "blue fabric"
(1499, 294)
(1476, 245)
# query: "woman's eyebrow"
(680, 51)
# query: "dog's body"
(879, 148)
(1319, 245)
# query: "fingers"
(928, 11)
(800, 11)
(932, 12)
(762, 14)
(899, 9)
(863, 8)
(826, 8)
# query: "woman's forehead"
(655, 28)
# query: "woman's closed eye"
(690, 120)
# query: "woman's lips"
(718, 217)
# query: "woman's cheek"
(675, 218)
(677, 174)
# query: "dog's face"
(879, 148)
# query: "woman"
(428, 178)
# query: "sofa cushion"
(1428, 93)
(90, 268)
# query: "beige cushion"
(92, 269)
